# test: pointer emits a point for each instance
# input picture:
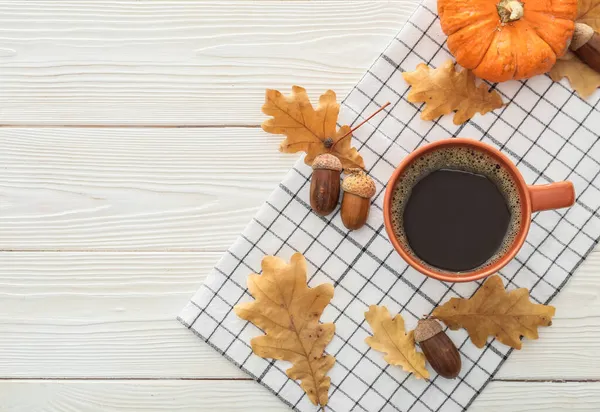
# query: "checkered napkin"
(545, 129)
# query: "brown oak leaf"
(582, 78)
(588, 12)
(288, 311)
(492, 311)
(307, 129)
(444, 90)
(390, 337)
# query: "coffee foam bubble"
(465, 159)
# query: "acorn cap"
(327, 161)
(358, 183)
(581, 35)
(427, 328)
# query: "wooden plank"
(567, 349)
(105, 315)
(102, 315)
(198, 396)
(133, 189)
(134, 396)
(180, 62)
(538, 396)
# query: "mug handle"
(551, 196)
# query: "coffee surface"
(464, 163)
(455, 220)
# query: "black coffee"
(455, 220)
(456, 209)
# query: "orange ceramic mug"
(532, 199)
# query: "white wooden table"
(130, 158)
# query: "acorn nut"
(437, 347)
(586, 45)
(358, 190)
(325, 184)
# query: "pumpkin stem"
(510, 10)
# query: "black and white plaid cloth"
(546, 129)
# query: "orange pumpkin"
(510, 39)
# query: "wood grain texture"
(180, 62)
(133, 189)
(567, 349)
(132, 396)
(107, 315)
(208, 396)
(538, 396)
(99, 219)
(102, 315)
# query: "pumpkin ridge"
(564, 9)
(487, 49)
(455, 15)
(499, 49)
(473, 20)
(541, 52)
(478, 28)
(527, 15)
(568, 25)
(514, 36)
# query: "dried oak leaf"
(390, 337)
(588, 12)
(582, 78)
(444, 90)
(288, 311)
(492, 311)
(307, 129)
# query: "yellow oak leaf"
(444, 90)
(307, 129)
(582, 78)
(390, 337)
(588, 12)
(492, 311)
(288, 311)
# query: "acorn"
(358, 190)
(325, 184)
(440, 351)
(586, 45)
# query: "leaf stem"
(361, 123)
